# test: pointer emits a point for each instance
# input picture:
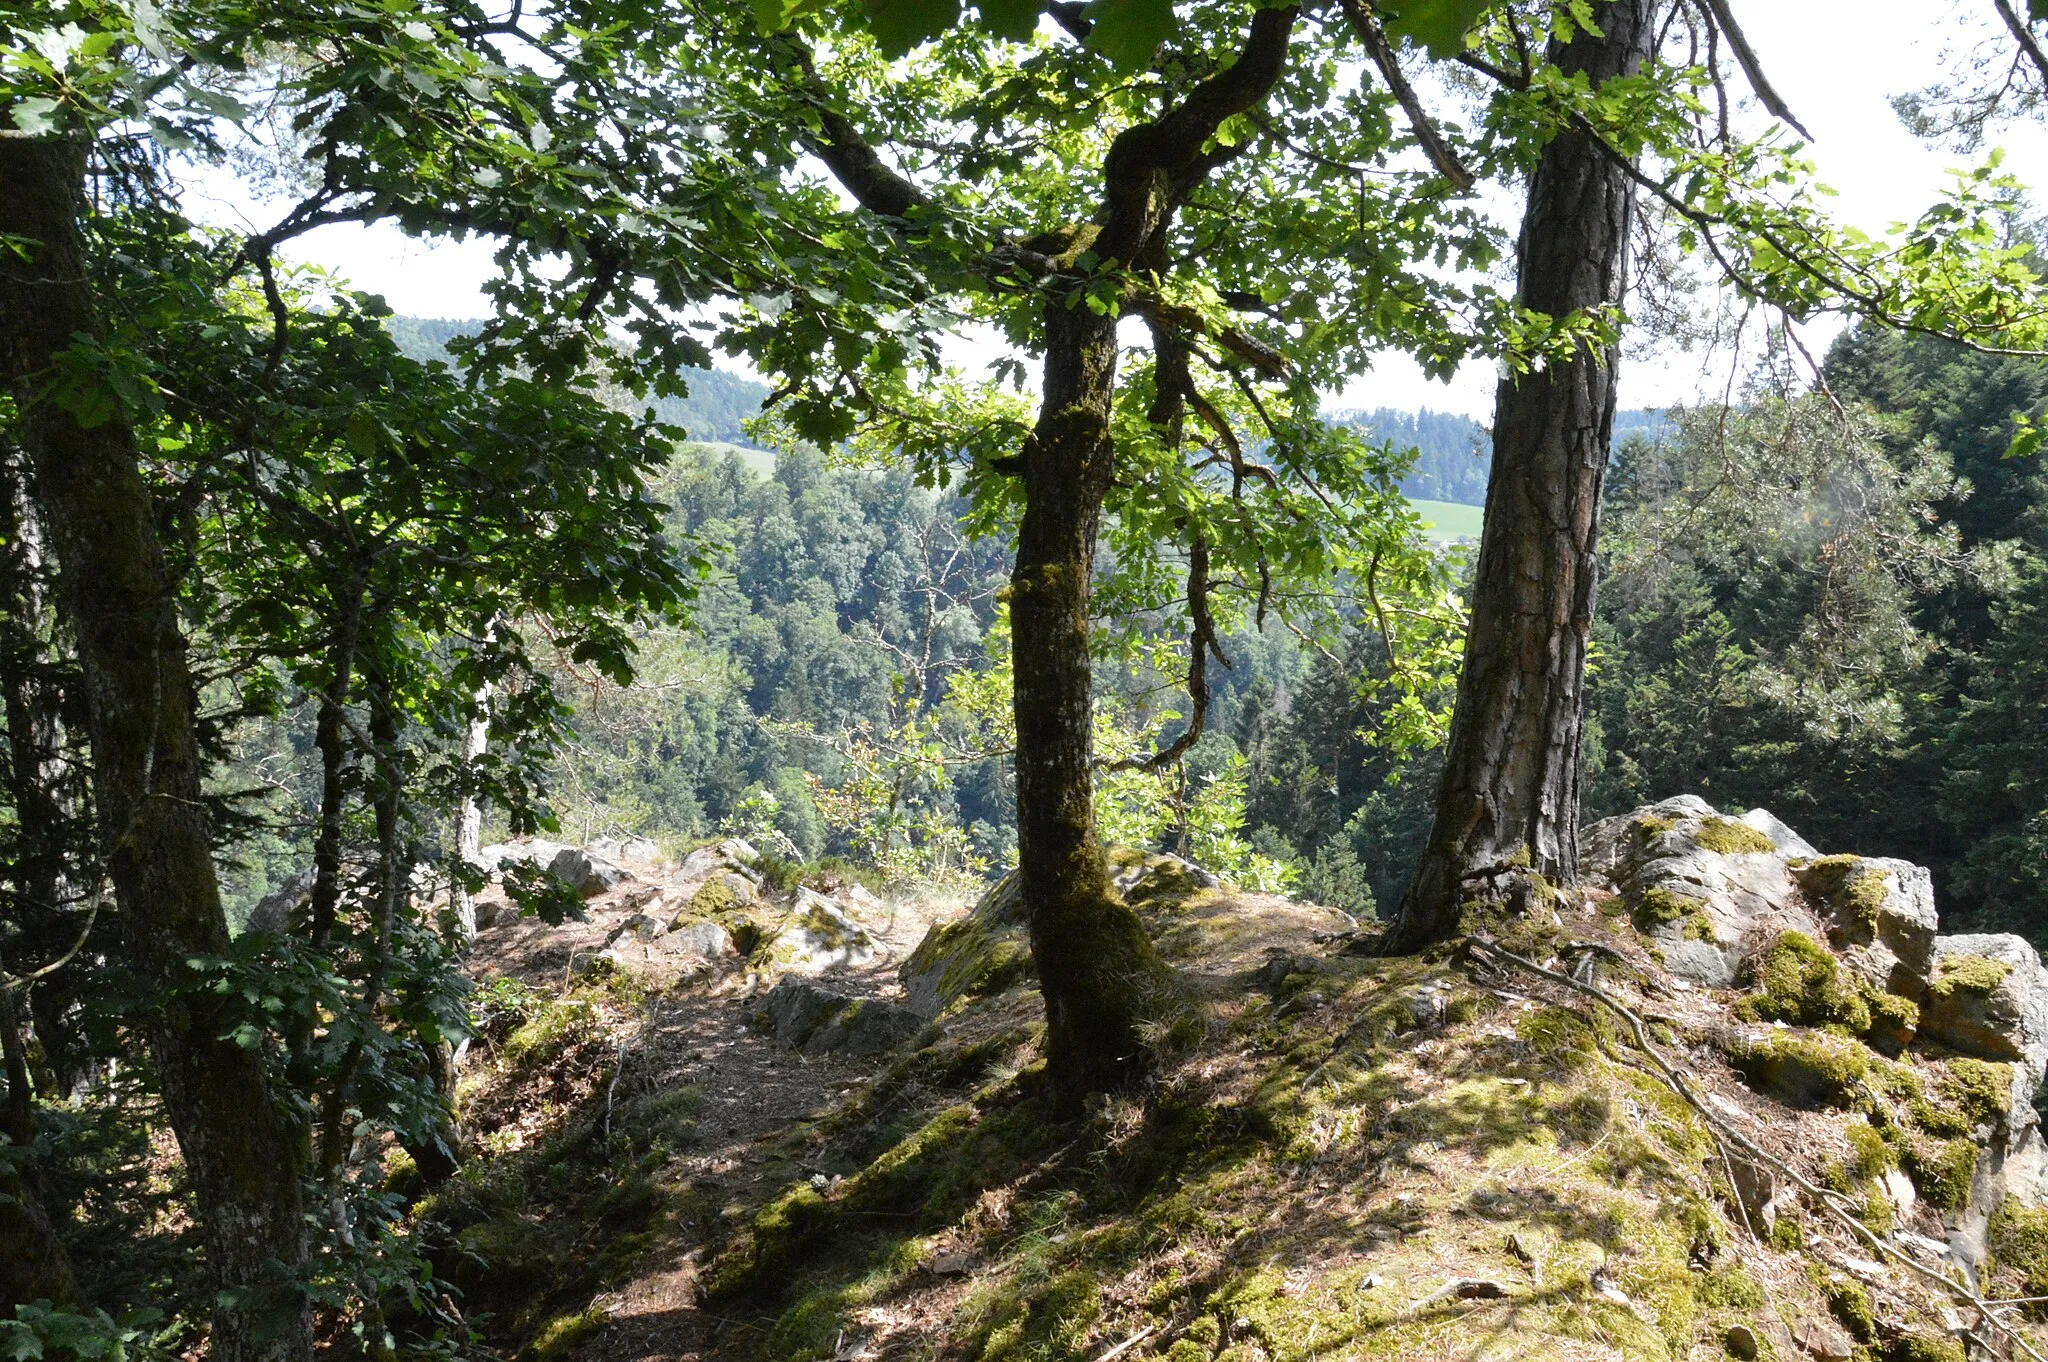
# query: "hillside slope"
(1734, 1099)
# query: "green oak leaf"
(1017, 20)
(1128, 32)
(1438, 25)
(900, 25)
(2037, 10)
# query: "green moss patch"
(1968, 974)
(1662, 907)
(970, 958)
(1649, 827)
(1730, 838)
(1805, 1070)
(1852, 889)
(2018, 1240)
(1799, 981)
(1942, 1170)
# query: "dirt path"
(757, 1097)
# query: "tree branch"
(1384, 57)
(2028, 46)
(1745, 56)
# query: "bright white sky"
(1837, 62)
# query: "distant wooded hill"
(1452, 451)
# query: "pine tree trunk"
(1509, 800)
(243, 1154)
(1096, 967)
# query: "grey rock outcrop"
(817, 936)
(587, 873)
(980, 953)
(537, 852)
(707, 862)
(1879, 915)
(805, 1016)
(273, 912)
(1163, 874)
(1709, 890)
(707, 939)
(1988, 996)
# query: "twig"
(1133, 1341)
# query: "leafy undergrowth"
(1360, 1158)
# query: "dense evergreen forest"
(521, 844)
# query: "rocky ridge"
(1344, 1156)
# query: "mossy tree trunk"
(243, 1153)
(1100, 977)
(1096, 966)
(1510, 790)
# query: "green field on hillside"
(1450, 521)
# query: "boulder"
(638, 927)
(1879, 915)
(818, 935)
(739, 849)
(274, 910)
(587, 873)
(737, 885)
(707, 939)
(804, 1016)
(705, 862)
(536, 852)
(1987, 996)
(583, 964)
(1157, 876)
(1708, 890)
(626, 849)
(981, 953)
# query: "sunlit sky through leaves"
(1837, 62)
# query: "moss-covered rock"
(1988, 996)
(1726, 837)
(1942, 1170)
(1799, 981)
(2018, 1240)
(1804, 1070)
(968, 958)
(1968, 974)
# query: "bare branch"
(1745, 56)
(2028, 46)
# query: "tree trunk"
(1096, 967)
(33, 1263)
(469, 827)
(1509, 800)
(241, 1150)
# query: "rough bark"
(469, 828)
(1096, 967)
(1508, 804)
(1098, 973)
(33, 1263)
(242, 1151)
